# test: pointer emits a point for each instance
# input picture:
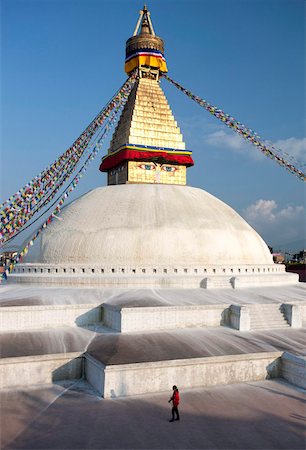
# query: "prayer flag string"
(45, 200)
(242, 130)
(72, 185)
(22, 206)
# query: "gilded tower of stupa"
(147, 146)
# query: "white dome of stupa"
(150, 225)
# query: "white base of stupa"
(135, 341)
(215, 277)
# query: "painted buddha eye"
(169, 169)
(146, 166)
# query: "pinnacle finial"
(144, 23)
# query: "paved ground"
(262, 415)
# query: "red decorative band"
(112, 161)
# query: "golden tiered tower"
(147, 145)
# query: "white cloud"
(293, 147)
(290, 211)
(276, 224)
(261, 210)
(223, 137)
(212, 133)
(204, 132)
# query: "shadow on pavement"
(263, 415)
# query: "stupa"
(151, 255)
(147, 228)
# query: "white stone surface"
(239, 318)
(163, 317)
(51, 295)
(265, 279)
(95, 373)
(294, 315)
(18, 318)
(40, 370)
(150, 225)
(293, 369)
(142, 378)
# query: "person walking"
(175, 399)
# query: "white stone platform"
(134, 379)
(143, 318)
(184, 352)
(127, 310)
(52, 327)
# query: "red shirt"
(176, 398)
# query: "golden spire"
(147, 145)
(144, 48)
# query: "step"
(267, 317)
(270, 325)
(249, 317)
(268, 320)
(264, 306)
(276, 320)
(267, 328)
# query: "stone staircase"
(267, 317)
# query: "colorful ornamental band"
(145, 153)
(145, 57)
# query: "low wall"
(18, 318)
(162, 317)
(142, 378)
(40, 370)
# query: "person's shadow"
(113, 394)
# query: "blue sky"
(63, 59)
